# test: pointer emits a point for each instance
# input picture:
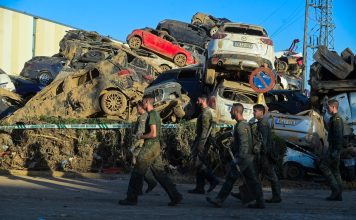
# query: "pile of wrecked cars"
(94, 76)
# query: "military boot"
(276, 194)
(236, 195)
(200, 183)
(258, 205)
(335, 192)
(134, 189)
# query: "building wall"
(23, 36)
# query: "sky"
(283, 19)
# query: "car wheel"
(164, 67)
(293, 171)
(113, 102)
(213, 30)
(197, 22)
(44, 77)
(180, 60)
(281, 66)
(135, 42)
(210, 76)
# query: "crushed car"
(184, 32)
(43, 69)
(9, 102)
(5, 81)
(287, 101)
(25, 87)
(238, 47)
(209, 22)
(227, 93)
(106, 89)
(160, 43)
(170, 102)
(163, 64)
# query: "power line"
(271, 14)
(291, 20)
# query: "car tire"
(135, 42)
(197, 22)
(210, 76)
(180, 60)
(293, 171)
(113, 102)
(164, 67)
(45, 77)
(213, 30)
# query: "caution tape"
(87, 126)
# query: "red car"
(162, 43)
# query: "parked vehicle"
(190, 78)
(26, 88)
(184, 32)
(227, 93)
(5, 81)
(238, 47)
(209, 22)
(43, 69)
(161, 44)
(170, 102)
(287, 101)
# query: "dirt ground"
(26, 197)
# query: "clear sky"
(283, 19)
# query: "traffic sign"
(262, 80)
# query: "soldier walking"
(330, 163)
(201, 147)
(137, 145)
(268, 155)
(244, 159)
(150, 158)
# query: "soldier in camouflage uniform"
(244, 158)
(150, 158)
(139, 129)
(200, 149)
(330, 163)
(268, 157)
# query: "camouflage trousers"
(330, 167)
(251, 179)
(267, 170)
(149, 158)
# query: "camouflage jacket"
(140, 125)
(242, 141)
(265, 130)
(336, 132)
(204, 122)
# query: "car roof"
(250, 26)
(236, 85)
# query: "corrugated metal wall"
(24, 36)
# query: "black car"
(43, 69)
(190, 80)
(26, 88)
(185, 32)
(287, 101)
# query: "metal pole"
(305, 44)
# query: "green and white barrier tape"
(86, 126)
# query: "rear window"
(247, 31)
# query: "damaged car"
(287, 101)
(9, 102)
(107, 89)
(227, 93)
(238, 47)
(170, 102)
(209, 22)
(43, 69)
(160, 43)
(184, 32)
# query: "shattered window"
(237, 96)
(240, 30)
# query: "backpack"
(256, 138)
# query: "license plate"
(243, 44)
(285, 121)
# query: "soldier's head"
(237, 111)
(148, 101)
(202, 101)
(258, 111)
(140, 108)
(333, 106)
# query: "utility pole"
(305, 44)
